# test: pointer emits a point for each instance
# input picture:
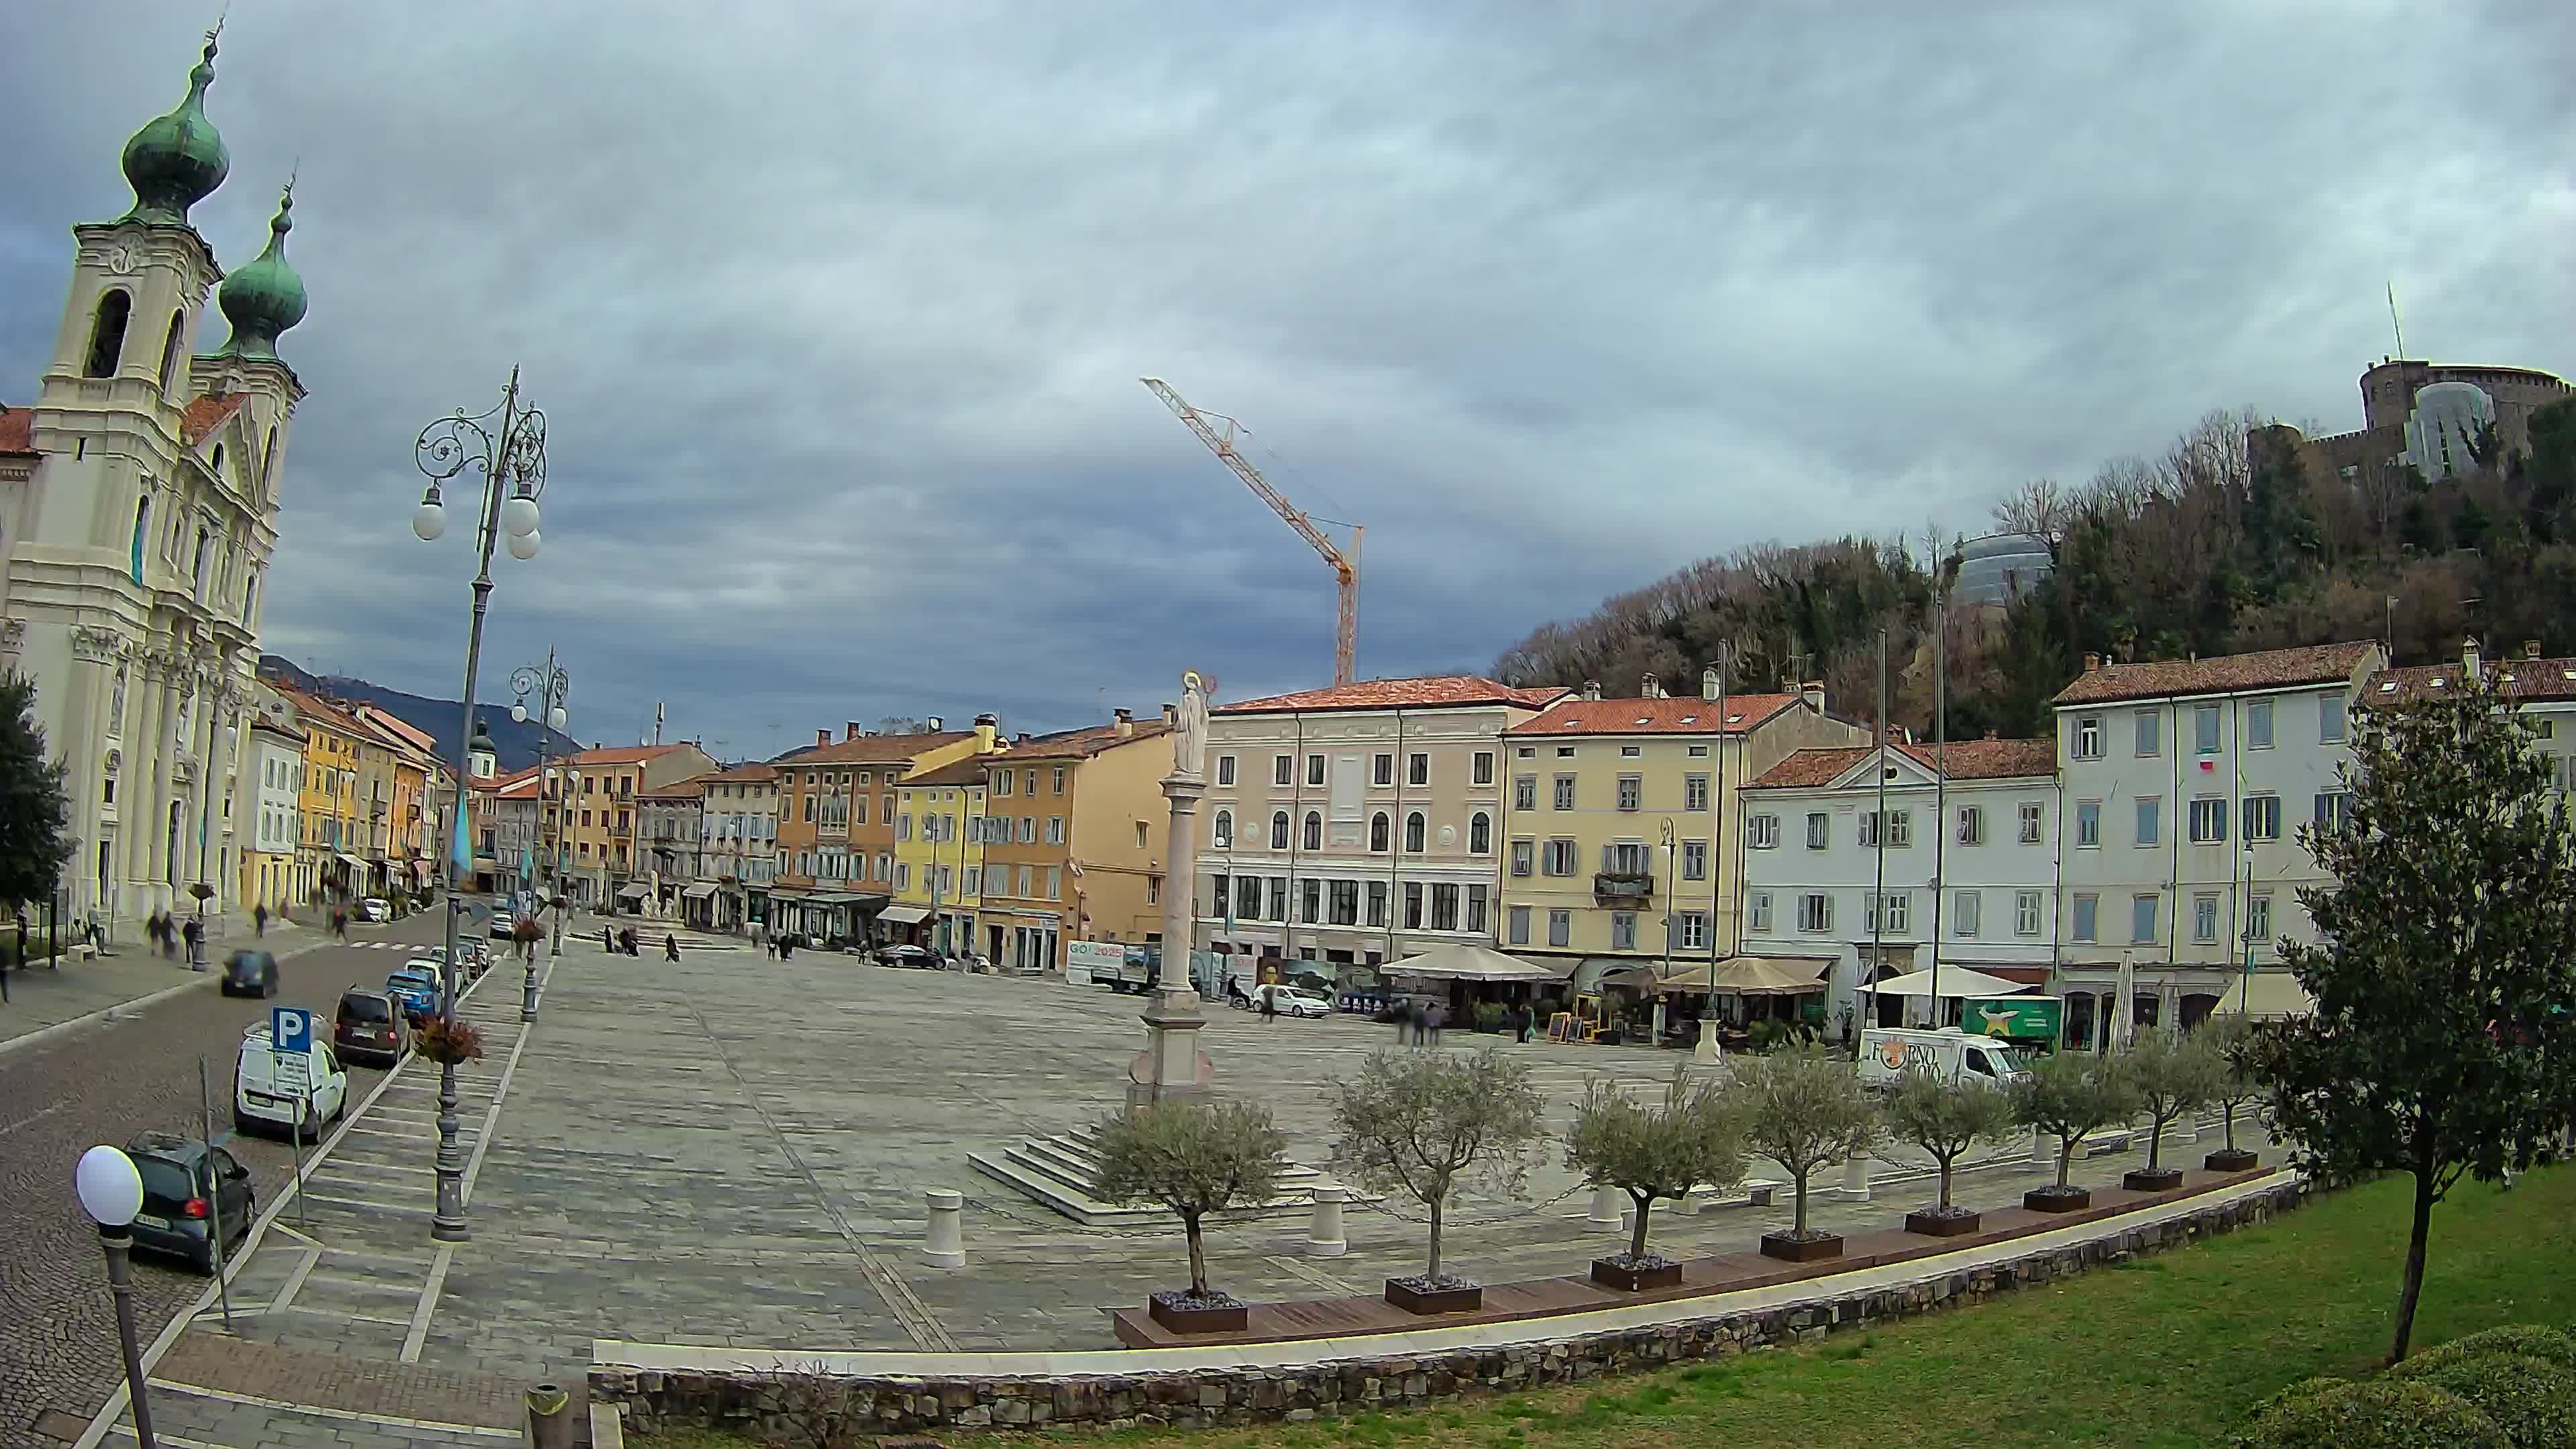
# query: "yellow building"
(327, 863)
(1075, 839)
(598, 816)
(939, 855)
(410, 855)
(1621, 823)
(837, 803)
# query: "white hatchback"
(268, 1085)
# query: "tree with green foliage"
(2227, 1039)
(1946, 1117)
(1803, 1108)
(1194, 1159)
(35, 814)
(1655, 1151)
(2171, 1076)
(2071, 1095)
(2445, 974)
(1426, 1124)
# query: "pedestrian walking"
(259, 918)
(1413, 1023)
(787, 946)
(670, 948)
(606, 943)
(1431, 1022)
(1269, 1004)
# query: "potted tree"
(1426, 1124)
(1652, 1152)
(1802, 1108)
(2170, 1077)
(2070, 1094)
(2231, 1085)
(1945, 1116)
(1194, 1160)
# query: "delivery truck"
(1887, 1052)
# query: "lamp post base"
(116, 1243)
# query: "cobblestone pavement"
(104, 1082)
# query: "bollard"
(549, 1417)
(1609, 1204)
(1856, 1177)
(946, 1245)
(2038, 1148)
(2188, 1127)
(1324, 1231)
(1705, 1051)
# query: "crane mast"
(1346, 566)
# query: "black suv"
(186, 1186)
(250, 973)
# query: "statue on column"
(1189, 733)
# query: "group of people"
(169, 933)
(782, 946)
(621, 942)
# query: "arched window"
(1225, 830)
(1314, 830)
(1278, 830)
(142, 519)
(268, 464)
(1480, 833)
(218, 469)
(250, 597)
(1378, 831)
(170, 350)
(107, 333)
(1413, 832)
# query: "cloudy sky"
(837, 309)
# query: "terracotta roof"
(1083, 744)
(694, 787)
(745, 774)
(1433, 692)
(308, 703)
(973, 770)
(621, 755)
(873, 749)
(18, 431)
(2510, 678)
(1967, 760)
(205, 414)
(2270, 669)
(397, 725)
(1667, 716)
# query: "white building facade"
(1961, 866)
(138, 508)
(1293, 861)
(272, 775)
(2185, 783)
(738, 858)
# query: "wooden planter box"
(1234, 1319)
(1941, 1225)
(2162, 1179)
(2057, 1200)
(1801, 1250)
(1611, 1274)
(2231, 1159)
(1435, 1300)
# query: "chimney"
(2092, 662)
(1710, 684)
(1813, 691)
(822, 737)
(936, 724)
(1126, 722)
(1592, 689)
(987, 726)
(2530, 648)
(1171, 715)
(850, 729)
(1992, 735)
(1023, 739)
(2469, 659)
(1650, 687)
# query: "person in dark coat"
(670, 948)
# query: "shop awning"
(1734, 976)
(1955, 981)
(699, 892)
(904, 915)
(351, 861)
(2267, 993)
(633, 892)
(1467, 963)
(842, 898)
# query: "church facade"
(138, 512)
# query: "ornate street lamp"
(508, 447)
(111, 1192)
(552, 688)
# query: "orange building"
(1073, 839)
(591, 807)
(836, 810)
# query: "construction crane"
(1346, 566)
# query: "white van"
(265, 1087)
(1886, 1052)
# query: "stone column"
(1324, 1237)
(945, 1247)
(1169, 1066)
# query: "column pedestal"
(1171, 1067)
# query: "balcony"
(1620, 887)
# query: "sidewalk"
(44, 997)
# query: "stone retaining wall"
(774, 1403)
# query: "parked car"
(369, 1027)
(375, 908)
(920, 958)
(503, 922)
(415, 986)
(187, 1186)
(250, 973)
(267, 1085)
(1293, 1000)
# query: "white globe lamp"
(523, 546)
(111, 1190)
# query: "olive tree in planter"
(1426, 1124)
(2231, 1085)
(1652, 1152)
(1803, 1108)
(2171, 1076)
(2070, 1094)
(1945, 1116)
(1195, 1160)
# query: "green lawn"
(2167, 1351)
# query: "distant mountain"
(515, 744)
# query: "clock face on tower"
(120, 258)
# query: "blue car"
(416, 989)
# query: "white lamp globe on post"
(519, 517)
(523, 546)
(556, 718)
(111, 1192)
(429, 520)
(519, 712)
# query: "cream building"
(1357, 825)
(138, 511)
